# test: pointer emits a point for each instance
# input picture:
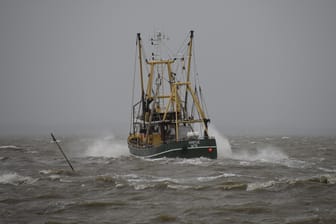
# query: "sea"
(268, 179)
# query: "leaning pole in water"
(60, 148)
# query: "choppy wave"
(100, 204)
(221, 181)
(282, 183)
(305, 219)
(327, 170)
(268, 154)
(265, 154)
(164, 218)
(147, 181)
(9, 147)
(194, 161)
(233, 185)
(260, 185)
(16, 179)
(2, 158)
(211, 178)
(234, 189)
(57, 171)
(59, 175)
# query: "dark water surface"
(264, 180)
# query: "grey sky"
(267, 67)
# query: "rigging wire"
(183, 45)
(203, 101)
(145, 59)
(197, 79)
(133, 86)
(170, 52)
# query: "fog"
(267, 67)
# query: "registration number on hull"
(194, 144)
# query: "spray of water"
(108, 146)
(269, 154)
(223, 145)
(111, 146)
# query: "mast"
(141, 77)
(188, 69)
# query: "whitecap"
(33, 152)
(260, 185)
(195, 161)
(55, 177)
(324, 179)
(331, 179)
(9, 147)
(179, 187)
(327, 170)
(16, 179)
(45, 172)
(140, 186)
(129, 176)
(211, 178)
(57, 171)
(245, 163)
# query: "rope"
(184, 45)
(133, 85)
(197, 80)
(168, 49)
(145, 58)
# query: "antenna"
(157, 41)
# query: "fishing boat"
(169, 118)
